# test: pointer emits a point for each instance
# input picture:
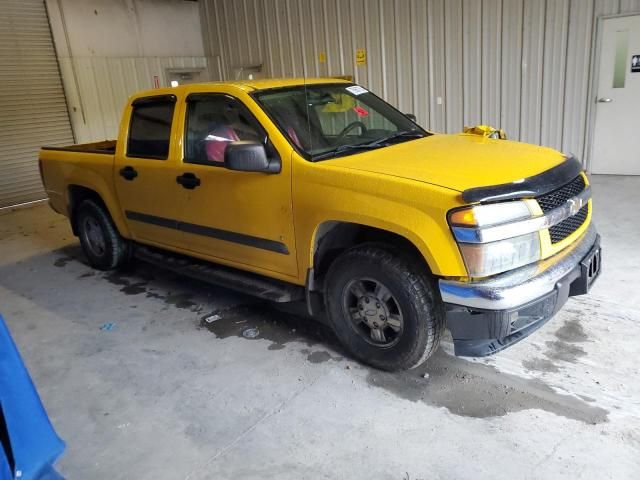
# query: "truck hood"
(457, 162)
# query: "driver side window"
(214, 121)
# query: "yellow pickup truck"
(320, 191)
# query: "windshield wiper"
(404, 134)
(343, 149)
(381, 142)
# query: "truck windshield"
(330, 120)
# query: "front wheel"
(384, 308)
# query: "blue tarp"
(28, 443)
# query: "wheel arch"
(334, 237)
(76, 194)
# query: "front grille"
(568, 226)
(558, 197)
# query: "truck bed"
(105, 146)
(88, 165)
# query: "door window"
(213, 121)
(150, 128)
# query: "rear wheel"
(102, 244)
(384, 308)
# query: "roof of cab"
(246, 85)
(264, 84)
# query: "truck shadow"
(465, 388)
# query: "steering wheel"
(350, 127)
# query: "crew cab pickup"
(320, 191)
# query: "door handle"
(605, 100)
(188, 181)
(128, 173)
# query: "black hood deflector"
(530, 187)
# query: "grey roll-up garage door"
(33, 110)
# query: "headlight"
(496, 237)
(484, 259)
(491, 214)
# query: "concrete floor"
(164, 395)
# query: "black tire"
(102, 244)
(414, 295)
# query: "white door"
(616, 147)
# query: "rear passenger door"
(145, 171)
(243, 219)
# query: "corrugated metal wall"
(108, 50)
(32, 103)
(522, 65)
(105, 83)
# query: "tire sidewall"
(110, 258)
(414, 337)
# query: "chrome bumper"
(521, 286)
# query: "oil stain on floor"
(464, 388)
(278, 325)
(138, 281)
(63, 261)
(478, 390)
(565, 348)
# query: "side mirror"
(411, 117)
(250, 157)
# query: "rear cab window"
(150, 127)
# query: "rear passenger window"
(150, 128)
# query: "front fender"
(413, 210)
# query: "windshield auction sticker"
(356, 90)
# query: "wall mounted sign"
(361, 56)
(635, 64)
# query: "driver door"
(243, 219)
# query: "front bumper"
(487, 316)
